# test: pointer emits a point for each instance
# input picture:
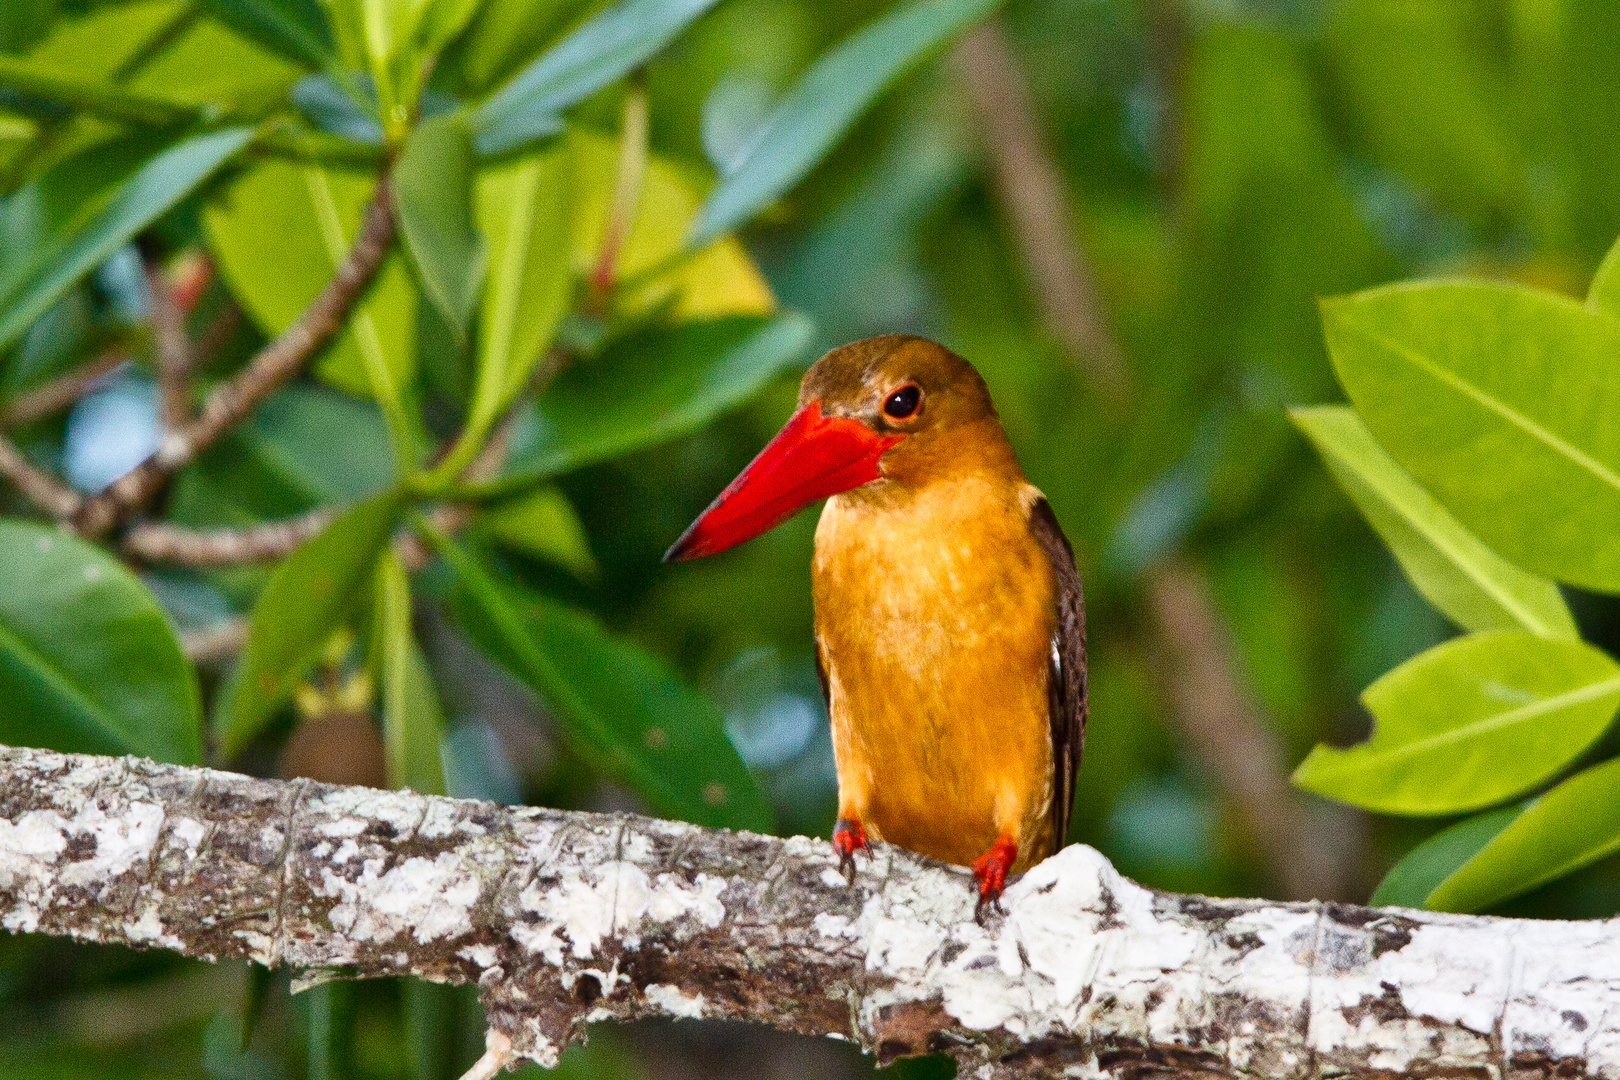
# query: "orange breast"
(934, 617)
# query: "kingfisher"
(949, 621)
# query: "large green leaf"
(308, 216)
(88, 660)
(623, 709)
(831, 96)
(412, 717)
(85, 233)
(306, 599)
(608, 46)
(293, 28)
(524, 213)
(434, 203)
(1474, 586)
(650, 388)
(1471, 723)
(1410, 881)
(1574, 824)
(1502, 401)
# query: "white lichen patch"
(122, 840)
(615, 898)
(188, 832)
(429, 899)
(673, 1001)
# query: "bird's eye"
(903, 402)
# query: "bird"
(949, 618)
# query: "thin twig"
(1034, 195)
(59, 393)
(277, 362)
(41, 488)
(157, 542)
(173, 349)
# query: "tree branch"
(564, 919)
(52, 397)
(41, 488)
(1207, 698)
(172, 348)
(1037, 203)
(277, 362)
(157, 542)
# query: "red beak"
(813, 456)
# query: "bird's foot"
(848, 838)
(990, 871)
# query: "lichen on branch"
(564, 919)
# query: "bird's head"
(879, 411)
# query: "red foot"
(990, 871)
(848, 838)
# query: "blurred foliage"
(570, 285)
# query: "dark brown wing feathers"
(1066, 680)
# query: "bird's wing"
(821, 677)
(1066, 667)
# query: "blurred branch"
(568, 918)
(1214, 714)
(214, 643)
(280, 360)
(59, 393)
(1038, 206)
(156, 542)
(1307, 857)
(41, 488)
(173, 348)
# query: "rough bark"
(567, 918)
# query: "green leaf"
(542, 522)
(31, 283)
(294, 28)
(1574, 824)
(208, 64)
(412, 718)
(306, 446)
(650, 388)
(502, 37)
(1471, 723)
(88, 660)
(1470, 583)
(433, 201)
(308, 217)
(305, 600)
(1503, 402)
(1410, 881)
(622, 708)
(105, 42)
(602, 50)
(825, 103)
(1604, 293)
(524, 215)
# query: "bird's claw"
(848, 837)
(990, 872)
